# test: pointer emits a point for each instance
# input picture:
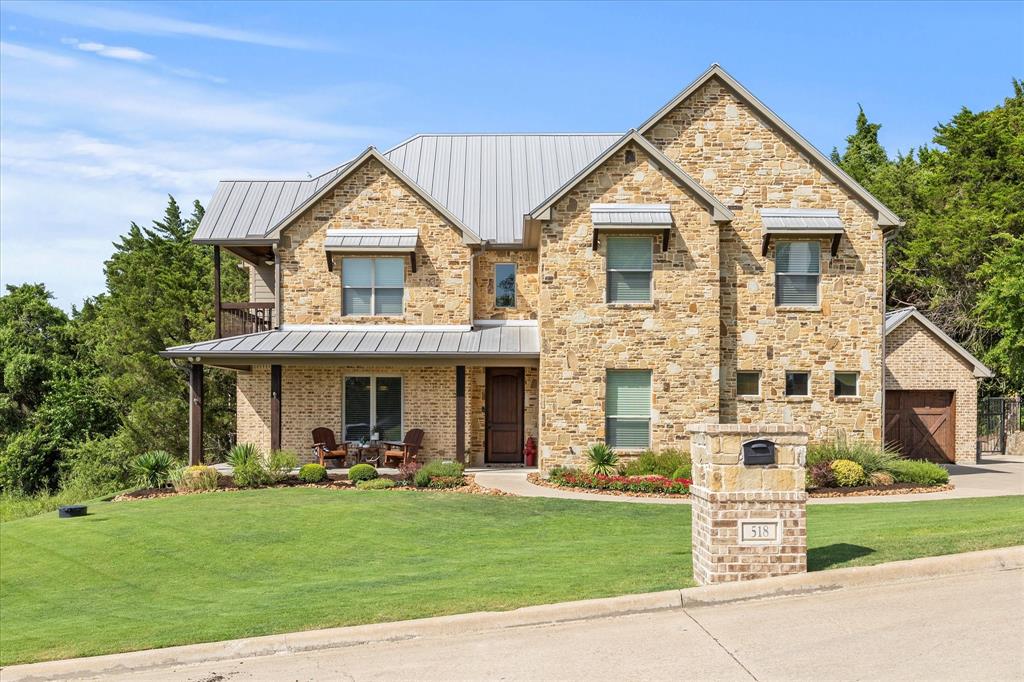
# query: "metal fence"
(997, 419)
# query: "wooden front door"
(921, 424)
(504, 408)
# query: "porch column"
(216, 291)
(275, 407)
(195, 414)
(460, 413)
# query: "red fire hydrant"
(530, 452)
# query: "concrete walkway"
(994, 476)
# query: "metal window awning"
(801, 221)
(631, 217)
(371, 241)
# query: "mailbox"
(759, 451)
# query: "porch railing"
(245, 318)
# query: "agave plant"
(243, 454)
(153, 468)
(603, 459)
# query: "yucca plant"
(243, 454)
(153, 468)
(603, 459)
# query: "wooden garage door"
(920, 424)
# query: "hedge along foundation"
(748, 501)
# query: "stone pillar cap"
(747, 428)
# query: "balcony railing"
(245, 318)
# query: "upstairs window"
(505, 285)
(628, 408)
(797, 271)
(629, 269)
(372, 286)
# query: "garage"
(931, 391)
(921, 424)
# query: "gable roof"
(886, 218)
(718, 210)
(895, 318)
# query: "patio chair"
(325, 446)
(404, 451)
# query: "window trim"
(372, 376)
(515, 276)
(759, 388)
(856, 384)
(373, 287)
(609, 270)
(817, 285)
(785, 387)
(650, 411)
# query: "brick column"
(749, 521)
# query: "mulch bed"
(537, 479)
(863, 490)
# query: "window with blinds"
(372, 286)
(797, 271)
(629, 269)
(628, 408)
(372, 405)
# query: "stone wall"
(742, 160)
(527, 285)
(582, 336)
(915, 359)
(437, 293)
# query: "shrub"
(634, 484)
(99, 463)
(558, 473)
(919, 472)
(685, 471)
(437, 469)
(362, 472)
(252, 474)
(407, 471)
(847, 473)
(194, 479)
(820, 475)
(881, 478)
(280, 464)
(869, 456)
(242, 454)
(312, 473)
(663, 463)
(376, 484)
(153, 469)
(602, 459)
(446, 482)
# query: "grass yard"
(200, 568)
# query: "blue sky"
(107, 108)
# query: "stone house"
(709, 265)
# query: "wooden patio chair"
(404, 451)
(325, 446)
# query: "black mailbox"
(759, 452)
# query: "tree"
(864, 156)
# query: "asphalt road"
(961, 628)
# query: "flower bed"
(650, 485)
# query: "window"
(373, 405)
(629, 269)
(798, 383)
(846, 384)
(505, 285)
(372, 286)
(748, 383)
(628, 408)
(797, 270)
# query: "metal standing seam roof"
(371, 240)
(809, 220)
(366, 342)
(606, 215)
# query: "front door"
(504, 408)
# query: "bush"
(881, 478)
(821, 475)
(602, 459)
(558, 473)
(869, 456)
(685, 471)
(848, 474)
(153, 468)
(407, 470)
(376, 484)
(438, 469)
(28, 463)
(280, 464)
(100, 463)
(919, 472)
(634, 484)
(362, 472)
(446, 482)
(195, 479)
(252, 474)
(662, 463)
(312, 473)
(242, 454)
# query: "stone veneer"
(915, 359)
(726, 494)
(741, 159)
(527, 285)
(371, 197)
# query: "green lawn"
(199, 568)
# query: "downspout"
(278, 294)
(885, 298)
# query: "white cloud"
(15, 51)
(110, 19)
(129, 54)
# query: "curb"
(1009, 558)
